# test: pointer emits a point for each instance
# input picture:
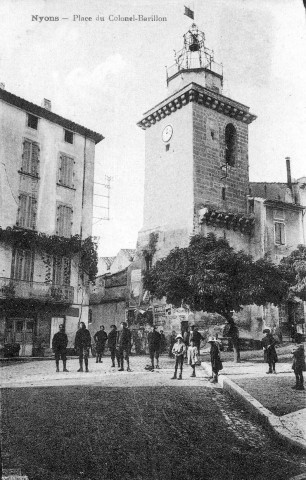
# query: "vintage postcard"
(152, 239)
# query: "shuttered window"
(23, 265)
(65, 176)
(279, 233)
(61, 270)
(64, 220)
(26, 211)
(30, 158)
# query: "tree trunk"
(236, 349)
(233, 333)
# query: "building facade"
(46, 201)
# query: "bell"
(194, 47)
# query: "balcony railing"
(193, 64)
(39, 291)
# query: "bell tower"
(196, 148)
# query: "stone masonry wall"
(209, 156)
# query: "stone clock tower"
(196, 150)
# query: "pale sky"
(106, 74)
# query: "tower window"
(230, 144)
(167, 147)
(223, 193)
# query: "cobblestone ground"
(137, 426)
(275, 393)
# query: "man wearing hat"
(268, 344)
(154, 346)
(298, 365)
(82, 345)
(112, 345)
(216, 364)
(59, 346)
(178, 351)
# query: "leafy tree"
(210, 275)
(294, 267)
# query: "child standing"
(178, 351)
(298, 365)
(216, 364)
(192, 356)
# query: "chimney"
(2, 86)
(46, 104)
(289, 181)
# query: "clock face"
(167, 133)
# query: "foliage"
(210, 275)
(150, 249)
(294, 267)
(53, 245)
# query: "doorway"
(21, 330)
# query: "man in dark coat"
(59, 347)
(82, 345)
(268, 344)
(154, 346)
(112, 345)
(298, 365)
(124, 346)
(163, 341)
(216, 363)
(100, 338)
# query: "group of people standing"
(119, 344)
(186, 346)
(270, 357)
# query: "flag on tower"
(189, 13)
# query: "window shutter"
(68, 221)
(60, 221)
(61, 270)
(66, 171)
(34, 159)
(279, 233)
(30, 212)
(282, 233)
(26, 156)
(57, 270)
(23, 265)
(22, 211)
(70, 164)
(26, 211)
(18, 265)
(27, 266)
(64, 221)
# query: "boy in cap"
(178, 351)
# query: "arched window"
(230, 144)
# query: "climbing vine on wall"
(53, 245)
(47, 259)
(150, 248)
